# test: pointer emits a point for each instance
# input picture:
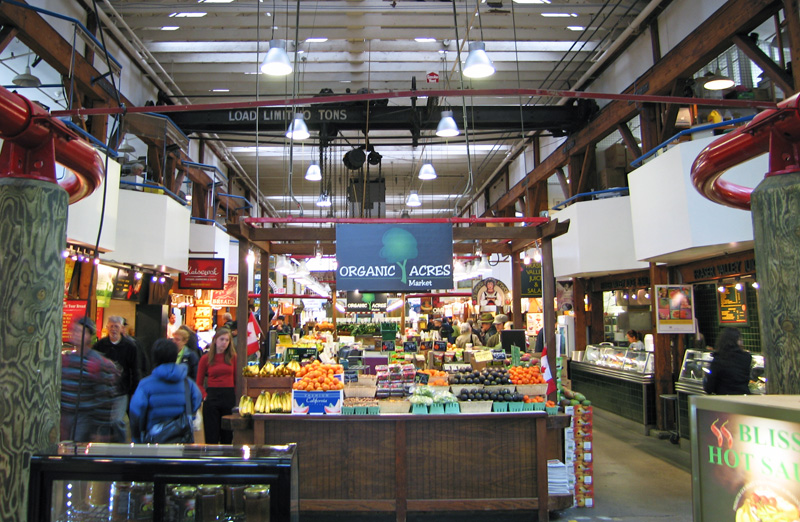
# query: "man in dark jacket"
(126, 357)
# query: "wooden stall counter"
(401, 463)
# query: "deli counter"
(690, 382)
(619, 380)
(166, 482)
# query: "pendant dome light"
(26, 79)
(276, 63)
(427, 172)
(324, 200)
(126, 147)
(313, 173)
(478, 64)
(298, 129)
(717, 81)
(447, 127)
(483, 267)
(413, 199)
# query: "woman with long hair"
(188, 355)
(215, 377)
(729, 371)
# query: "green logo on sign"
(398, 247)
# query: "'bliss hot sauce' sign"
(749, 468)
(394, 257)
(205, 274)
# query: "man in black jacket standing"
(125, 355)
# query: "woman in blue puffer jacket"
(162, 395)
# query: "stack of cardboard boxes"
(583, 462)
(618, 164)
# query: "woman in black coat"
(729, 371)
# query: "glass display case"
(695, 366)
(618, 358)
(170, 482)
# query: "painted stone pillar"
(775, 205)
(33, 216)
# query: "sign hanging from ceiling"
(366, 301)
(394, 258)
(432, 77)
(205, 274)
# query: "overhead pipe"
(775, 131)
(34, 141)
(531, 221)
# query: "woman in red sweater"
(215, 376)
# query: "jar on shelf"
(210, 503)
(256, 503)
(140, 503)
(183, 503)
(120, 499)
(234, 501)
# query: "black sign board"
(409, 346)
(509, 338)
(440, 346)
(123, 284)
(366, 301)
(531, 280)
(426, 345)
(387, 346)
(421, 378)
(732, 306)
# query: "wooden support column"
(765, 63)
(792, 17)
(662, 367)
(629, 140)
(649, 127)
(775, 203)
(242, 315)
(516, 289)
(563, 182)
(550, 230)
(264, 323)
(597, 330)
(582, 318)
(33, 234)
(575, 166)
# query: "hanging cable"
(468, 186)
(294, 96)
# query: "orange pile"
(319, 377)
(535, 398)
(526, 375)
(434, 373)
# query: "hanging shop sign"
(123, 284)
(732, 306)
(531, 281)
(366, 301)
(228, 296)
(105, 285)
(675, 309)
(73, 310)
(208, 274)
(432, 77)
(490, 295)
(748, 467)
(394, 258)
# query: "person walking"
(125, 355)
(215, 378)
(162, 395)
(729, 371)
(467, 337)
(88, 388)
(188, 355)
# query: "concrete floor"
(637, 478)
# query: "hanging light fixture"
(276, 63)
(302, 270)
(298, 129)
(478, 64)
(324, 200)
(427, 172)
(717, 81)
(26, 79)
(413, 199)
(283, 266)
(447, 127)
(404, 214)
(313, 173)
(126, 147)
(483, 267)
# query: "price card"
(452, 368)
(498, 355)
(350, 376)
(426, 345)
(409, 346)
(440, 346)
(482, 356)
(387, 346)
(421, 378)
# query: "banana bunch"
(262, 402)
(280, 403)
(268, 370)
(287, 369)
(246, 406)
(251, 370)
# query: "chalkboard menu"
(732, 306)
(531, 281)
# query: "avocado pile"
(487, 377)
(502, 395)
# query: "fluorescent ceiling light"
(316, 40)
(187, 15)
(220, 90)
(170, 28)
(559, 15)
(576, 27)
(214, 1)
(423, 39)
(531, 1)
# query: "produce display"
(487, 377)
(270, 370)
(319, 377)
(526, 375)
(482, 394)
(266, 402)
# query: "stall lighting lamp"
(756, 285)
(738, 285)
(721, 289)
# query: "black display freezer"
(164, 482)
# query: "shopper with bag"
(215, 377)
(163, 406)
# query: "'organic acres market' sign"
(394, 258)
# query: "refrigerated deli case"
(618, 380)
(168, 482)
(690, 382)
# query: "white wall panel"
(83, 217)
